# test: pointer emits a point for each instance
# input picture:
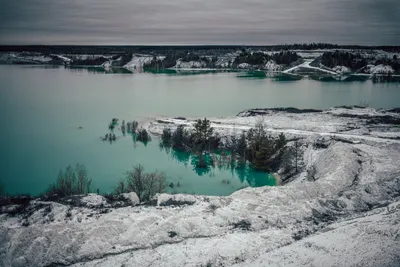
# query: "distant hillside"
(94, 49)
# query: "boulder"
(132, 197)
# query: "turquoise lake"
(42, 109)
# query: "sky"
(157, 22)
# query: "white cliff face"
(346, 214)
(379, 69)
(341, 69)
(272, 66)
(137, 61)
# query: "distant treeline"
(94, 49)
(260, 58)
(355, 62)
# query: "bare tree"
(71, 182)
(120, 187)
(291, 157)
(83, 183)
(145, 185)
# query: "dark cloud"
(199, 21)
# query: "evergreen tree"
(178, 138)
(202, 135)
(280, 142)
(166, 136)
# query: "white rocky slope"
(345, 213)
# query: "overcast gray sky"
(370, 22)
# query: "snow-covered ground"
(347, 213)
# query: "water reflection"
(243, 171)
(100, 70)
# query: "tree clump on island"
(200, 140)
(145, 185)
(73, 181)
(256, 146)
(259, 59)
(343, 58)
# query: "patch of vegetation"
(145, 185)
(132, 126)
(172, 56)
(113, 123)
(172, 202)
(73, 181)
(143, 136)
(260, 58)
(97, 61)
(343, 58)
(263, 151)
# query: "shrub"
(71, 182)
(121, 188)
(145, 185)
(179, 137)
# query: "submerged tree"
(166, 136)
(123, 128)
(179, 138)
(143, 136)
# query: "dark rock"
(242, 224)
(172, 202)
(172, 234)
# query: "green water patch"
(227, 173)
(355, 78)
(285, 77)
(252, 75)
(323, 78)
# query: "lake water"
(41, 110)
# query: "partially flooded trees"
(132, 126)
(256, 146)
(113, 123)
(179, 137)
(143, 136)
(166, 137)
